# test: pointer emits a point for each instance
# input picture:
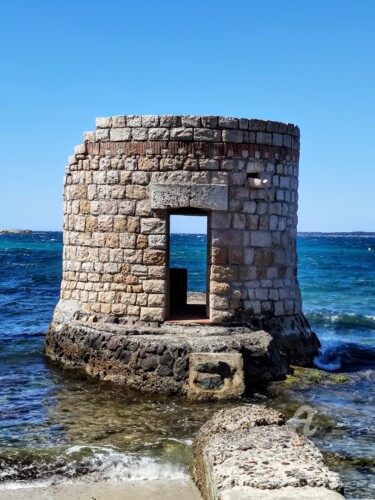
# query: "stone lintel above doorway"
(203, 196)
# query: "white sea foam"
(105, 465)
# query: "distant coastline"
(16, 231)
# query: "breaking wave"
(350, 356)
(24, 467)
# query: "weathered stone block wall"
(124, 180)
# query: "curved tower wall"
(125, 179)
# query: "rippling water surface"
(57, 425)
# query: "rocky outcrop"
(251, 452)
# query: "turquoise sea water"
(56, 425)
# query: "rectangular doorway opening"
(188, 289)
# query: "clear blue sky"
(65, 62)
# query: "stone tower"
(126, 180)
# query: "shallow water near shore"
(59, 426)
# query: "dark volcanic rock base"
(156, 359)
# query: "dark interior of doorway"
(188, 258)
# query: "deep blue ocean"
(57, 425)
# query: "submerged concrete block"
(251, 452)
(215, 376)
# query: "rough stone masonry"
(120, 188)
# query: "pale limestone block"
(109, 207)
(133, 224)
(249, 256)
(272, 126)
(152, 314)
(104, 192)
(172, 177)
(158, 134)
(111, 267)
(143, 208)
(238, 178)
(148, 164)
(208, 164)
(238, 221)
(154, 286)
(139, 270)
(191, 164)
(153, 226)
(150, 121)
(102, 134)
(275, 208)
(228, 122)
(118, 192)
(169, 121)
(284, 182)
(140, 134)
(282, 224)
(170, 164)
(277, 139)
(254, 167)
(182, 134)
(72, 160)
(105, 223)
(142, 299)
(133, 120)
(249, 207)
(249, 137)
(203, 134)
(112, 177)
(287, 139)
(103, 122)
(209, 121)
(80, 149)
(219, 177)
(156, 300)
(258, 125)
(118, 121)
(127, 240)
(190, 121)
(156, 272)
(295, 143)
(141, 178)
(228, 164)
(280, 195)
(79, 223)
(133, 310)
(273, 222)
(261, 239)
(243, 123)
(120, 134)
(219, 301)
(132, 256)
(136, 192)
(157, 241)
(220, 316)
(89, 136)
(264, 138)
(233, 136)
(116, 255)
(154, 257)
(111, 240)
(104, 163)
